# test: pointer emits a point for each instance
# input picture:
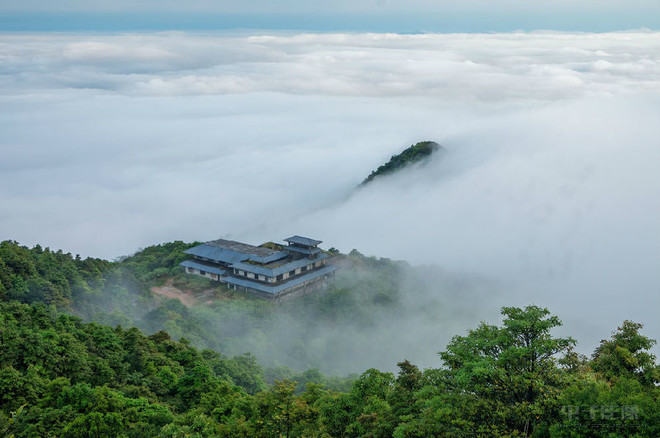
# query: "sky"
(115, 138)
(355, 16)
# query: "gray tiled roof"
(217, 254)
(274, 272)
(301, 250)
(300, 240)
(269, 258)
(280, 287)
(244, 248)
(229, 251)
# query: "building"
(269, 271)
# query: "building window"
(292, 273)
(303, 269)
(280, 277)
(202, 272)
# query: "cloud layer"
(549, 184)
(462, 67)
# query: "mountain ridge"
(416, 153)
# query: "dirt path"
(169, 291)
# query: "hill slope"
(414, 154)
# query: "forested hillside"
(60, 376)
(414, 154)
(373, 308)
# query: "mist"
(547, 192)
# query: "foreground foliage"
(62, 377)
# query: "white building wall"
(208, 275)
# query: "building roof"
(301, 250)
(305, 241)
(244, 248)
(203, 267)
(275, 271)
(217, 254)
(230, 251)
(279, 255)
(280, 287)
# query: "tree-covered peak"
(414, 154)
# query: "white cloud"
(549, 185)
(500, 67)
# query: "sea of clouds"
(548, 183)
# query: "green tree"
(626, 354)
(280, 413)
(510, 372)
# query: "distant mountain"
(414, 154)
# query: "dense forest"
(141, 365)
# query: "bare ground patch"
(187, 297)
